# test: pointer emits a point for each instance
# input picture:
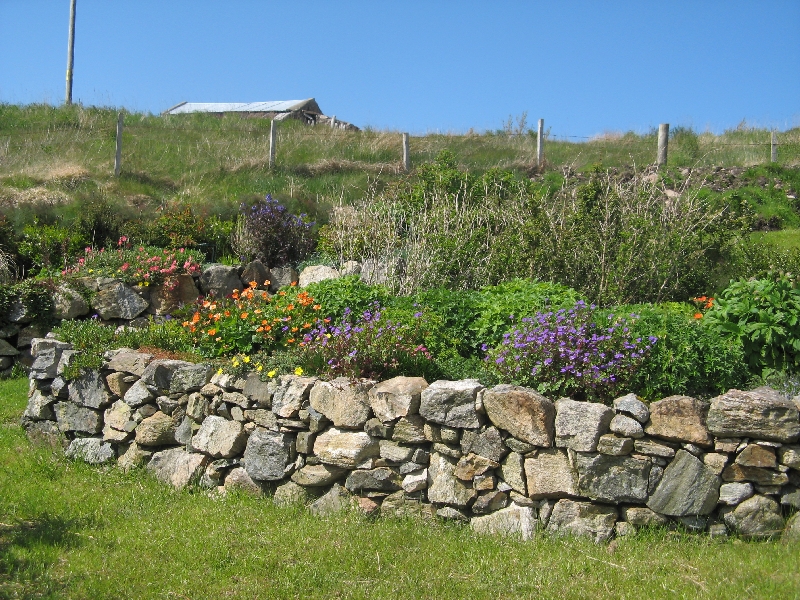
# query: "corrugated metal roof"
(219, 107)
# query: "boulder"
(409, 430)
(292, 392)
(130, 361)
(165, 299)
(190, 378)
(344, 403)
(755, 455)
(396, 397)
(687, 487)
(219, 281)
(68, 303)
(523, 412)
(238, 479)
(258, 272)
(761, 413)
(614, 446)
(71, 417)
(156, 430)
(443, 486)
(680, 419)
(571, 518)
(315, 274)
(268, 455)
(318, 475)
(550, 475)
(40, 407)
(382, 479)
(732, 494)
(514, 520)
(346, 449)
(282, 276)
(177, 467)
(633, 407)
(336, 500)
(579, 425)
(757, 517)
(91, 450)
(451, 403)
(89, 390)
(626, 427)
(613, 479)
(219, 438)
(117, 300)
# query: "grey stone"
(523, 412)
(626, 427)
(688, 487)
(633, 407)
(89, 390)
(164, 301)
(441, 435)
(735, 493)
(443, 486)
(282, 276)
(177, 467)
(762, 413)
(757, 475)
(91, 450)
(656, 473)
(395, 453)
(166, 405)
(451, 514)
(571, 518)
(116, 300)
(183, 432)
(791, 533)
(219, 280)
(7, 349)
(138, 394)
(579, 425)
(641, 516)
(268, 455)
(317, 273)
(259, 392)
(409, 430)
(550, 475)
(790, 456)
(292, 392)
(197, 408)
(512, 471)
(130, 361)
(290, 494)
(693, 523)
(190, 378)
(305, 442)
(380, 479)
(40, 407)
(680, 419)
(159, 374)
(376, 428)
(219, 438)
(345, 449)
(156, 430)
(410, 467)
(235, 399)
(653, 448)
(613, 479)
(396, 397)
(336, 500)
(416, 481)
(716, 462)
(519, 446)
(614, 446)
(344, 403)
(757, 517)
(147, 410)
(45, 365)
(318, 475)
(473, 464)
(68, 303)
(489, 502)
(451, 403)
(71, 417)
(488, 444)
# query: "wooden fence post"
(272, 144)
(663, 142)
(118, 154)
(406, 154)
(333, 122)
(540, 144)
(774, 148)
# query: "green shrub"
(336, 295)
(36, 295)
(49, 246)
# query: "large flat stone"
(762, 413)
(523, 412)
(514, 520)
(550, 475)
(396, 397)
(757, 517)
(177, 467)
(71, 417)
(579, 425)
(346, 449)
(268, 455)
(680, 419)
(584, 519)
(344, 403)
(89, 390)
(613, 479)
(220, 438)
(451, 403)
(687, 487)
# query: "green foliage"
(764, 314)
(36, 296)
(336, 295)
(45, 246)
(684, 147)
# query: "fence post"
(118, 155)
(663, 142)
(333, 122)
(540, 144)
(406, 154)
(774, 147)
(272, 143)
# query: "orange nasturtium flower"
(698, 315)
(243, 315)
(195, 317)
(212, 332)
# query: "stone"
(443, 486)
(27, 334)
(416, 481)
(219, 438)
(441, 435)
(147, 410)
(613, 445)
(582, 519)
(45, 433)
(717, 531)
(18, 312)
(789, 456)
(489, 502)
(755, 455)
(344, 403)
(653, 448)
(268, 455)
(656, 473)
(680, 419)
(473, 464)
(130, 361)
(89, 390)
(550, 475)
(757, 475)
(197, 408)
(166, 405)
(641, 516)
(579, 425)
(396, 397)
(219, 280)
(624, 529)
(790, 496)
(716, 462)
(235, 399)
(71, 417)
(318, 475)
(116, 383)
(761, 413)
(633, 407)
(523, 412)
(791, 533)
(238, 479)
(177, 467)
(409, 430)
(138, 394)
(117, 300)
(346, 449)
(381, 479)
(156, 430)
(68, 303)
(183, 432)
(693, 523)
(282, 276)
(292, 392)
(517, 521)
(158, 375)
(688, 487)
(376, 428)
(399, 505)
(133, 456)
(367, 506)
(732, 494)
(45, 365)
(118, 416)
(336, 500)
(626, 427)
(40, 407)
(395, 453)
(90, 450)
(190, 378)
(451, 514)
(519, 446)
(317, 273)
(227, 382)
(512, 471)
(305, 442)
(451, 403)
(7, 349)
(290, 494)
(758, 517)
(259, 392)
(613, 479)
(489, 444)
(726, 444)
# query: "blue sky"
(584, 66)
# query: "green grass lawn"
(68, 530)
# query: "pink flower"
(125, 267)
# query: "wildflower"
(243, 315)
(259, 367)
(212, 332)
(246, 359)
(219, 371)
(698, 315)
(298, 371)
(271, 374)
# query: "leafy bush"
(269, 232)
(684, 146)
(36, 295)
(45, 246)
(346, 293)
(566, 353)
(764, 314)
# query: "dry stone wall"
(504, 459)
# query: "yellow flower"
(271, 374)
(235, 362)
(219, 371)
(259, 368)
(298, 371)
(246, 359)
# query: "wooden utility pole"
(406, 154)
(663, 141)
(118, 155)
(70, 51)
(272, 144)
(540, 144)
